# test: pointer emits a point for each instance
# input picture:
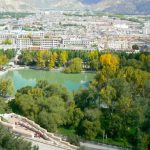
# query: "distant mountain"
(114, 6)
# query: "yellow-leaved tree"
(63, 58)
(3, 61)
(110, 60)
(109, 63)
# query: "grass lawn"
(66, 132)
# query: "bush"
(74, 139)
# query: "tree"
(40, 59)
(73, 139)
(45, 104)
(110, 60)
(36, 93)
(135, 47)
(53, 114)
(108, 95)
(87, 98)
(52, 60)
(58, 90)
(10, 141)
(10, 53)
(42, 84)
(4, 108)
(27, 106)
(6, 87)
(74, 115)
(75, 66)
(93, 55)
(27, 57)
(7, 42)
(94, 64)
(63, 57)
(90, 126)
(3, 60)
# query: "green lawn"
(66, 132)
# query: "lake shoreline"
(19, 67)
(60, 69)
(24, 76)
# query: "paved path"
(43, 146)
(97, 147)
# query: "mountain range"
(112, 6)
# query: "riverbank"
(16, 67)
(60, 69)
(46, 69)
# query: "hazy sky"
(90, 1)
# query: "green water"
(29, 77)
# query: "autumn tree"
(110, 60)
(52, 60)
(63, 57)
(3, 60)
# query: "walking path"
(99, 147)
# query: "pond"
(29, 77)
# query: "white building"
(118, 45)
(23, 43)
(82, 43)
(50, 42)
(146, 28)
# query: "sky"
(90, 1)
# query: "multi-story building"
(78, 43)
(23, 43)
(146, 28)
(50, 42)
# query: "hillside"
(114, 6)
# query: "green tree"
(53, 114)
(3, 61)
(90, 126)
(4, 108)
(6, 87)
(135, 47)
(11, 142)
(7, 42)
(27, 57)
(75, 66)
(10, 53)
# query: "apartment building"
(78, 43)
(146, 28)
(118, 45)
(43, 43)
(23, 43)
(50, 42)
(7, 36)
